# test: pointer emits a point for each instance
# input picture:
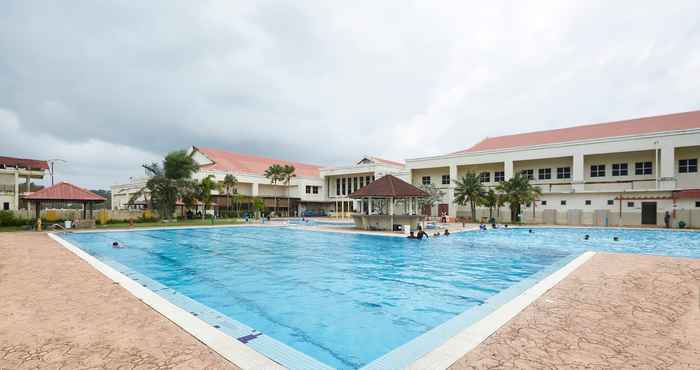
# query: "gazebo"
(63, 193)
(387, 203)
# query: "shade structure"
(378, 202)
(67, 193)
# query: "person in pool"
(422, 234)
(411, 235)
(586, 237)
(447, 232)
(116, 244)
(616, 239)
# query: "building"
(313, 189)
(619, 173)
(16, 175)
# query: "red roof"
(646, 125)
(24, 163)
(226, 161)
(386, 161)
(388, 186)
(64, 191)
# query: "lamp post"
(51, 163)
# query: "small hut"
(387, 204)
(62, 194)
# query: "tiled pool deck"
(615, 311)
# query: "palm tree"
(274, 173)
(206, 186)
(288, 173)
(490, 200)
(518, 191)
(230, 183)
(469, 190)
(169, 182)
(435, 195)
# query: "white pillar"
(451, 205)
(16, 205)
(508, 169)
(667, 168)
(255, 189)
(369, 205)
(578, 171)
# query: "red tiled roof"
(236, 162)
(24, 163)
(395, 163)
(64, 191)
(389, 186)
(646, 125)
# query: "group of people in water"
(422, 234)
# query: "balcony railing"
(7, 188)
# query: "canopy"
(64, 191)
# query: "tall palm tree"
(288, 173)
(435, 195)
(230, 183)
(490, 200)
(469, 190)
(518, 191)
(206, 186)
(274, 174)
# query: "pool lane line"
(233, 350)
(469, 338)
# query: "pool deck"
(616, 311)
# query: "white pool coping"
(456, 347)
(236, 352)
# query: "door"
(443, 208)
(648, 213)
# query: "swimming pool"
(345, 300)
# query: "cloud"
(327, 83)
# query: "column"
(255, 189)
(667, 168)
(16, 205)
(508, 169)
(578, 171)
(369, 205)
(451, 205)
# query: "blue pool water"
(345, 299)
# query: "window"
(564, 172)
(611, 202)
(563, 202)
(530, 174)
(543, 202)
(367, 180)
(499, 176)
(362, 182)
(619, 169)
(343, 182)
(588, 202)
(373, 178)
(354, 184)
(315, 188)
(485, 177)
(426, 180)
(308, 189)
(598, 170)
(642, 168)
(545, 173)
(6, 206)
(630, 204)
(446, 179)
(697, 204)
(688, 166)
(337, 186)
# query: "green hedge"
(8, 218)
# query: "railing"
(7, 188)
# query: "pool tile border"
(228, 347)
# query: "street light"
(51, 162)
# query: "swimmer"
(530, 231)
(586, 237)
(116, 245)
(411, 235)
(615, 239)
(436, 235)
(447, 232)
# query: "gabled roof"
(24, 163)
(638, 126)
(65, 191)
(381, 160)
(389, 186)
(226, 161)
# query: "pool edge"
(449, 352)
(232, 350)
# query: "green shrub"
(8, 218)
(682, 224)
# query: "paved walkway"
(615, 312)
(57, 312)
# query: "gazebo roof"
(389, 186)
(66, 192)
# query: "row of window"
(311, 189)
(348, 185)
(588, 202)
(621, 169)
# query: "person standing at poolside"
(667, 220)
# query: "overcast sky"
(107, 86)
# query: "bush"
(681, 224)
(8, 218)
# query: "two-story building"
(619, 173)
(16, 175)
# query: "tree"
(469, 190)
(490, 201)
(204, 191)
(259, 205)
(169, 182)
(229, 184)
(435, 195)
(516, 192)
(275, 174)
(288, 173)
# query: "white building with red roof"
(627, 172)
(16, 175)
